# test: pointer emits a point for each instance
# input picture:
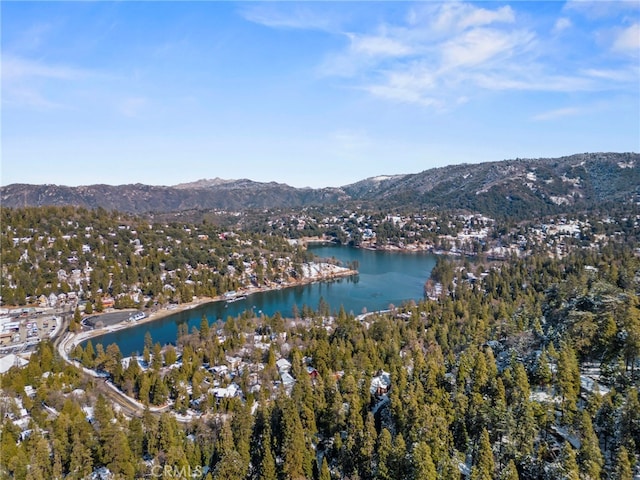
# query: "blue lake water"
(384, 278)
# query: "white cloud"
(562, 24)
(595, 9)
(414, 85)
(534, 79)
(479, 16)
(363, 53)
(628, 39)
(424, 59)
(299, 17)
(18, 68)
(620, 75)
(23, 96)
(451, 17)
(24, 81)
(480, 45)
(405, 94)
(378, 46)
(439, 53)
(558, 113)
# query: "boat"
(235, 299)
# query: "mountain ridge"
(518, 187)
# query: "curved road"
(129, 406)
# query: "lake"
(384, 278)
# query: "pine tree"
(74, 325)
(88, 357)
(623, 469)
(590, 456)
(144, 389)
(365, 448)
(385, 446)
(543, 373)
(156, 358)
(422, 463)
(170, 355)
(510, 472)
(230, 467)
(399, 460)
(568, 380)
(568, 463)
(136, 437)
(119, 457)
(39, 461)
(81, 464)
(484, 464)
(296, 464)
(630, 418)
(268, 463)
(204, 327)
(325, 474)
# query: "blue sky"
(309, 94)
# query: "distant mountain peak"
(204, 183)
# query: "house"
(62, 275)
(11, 360)
(287, 380)
(53, 300)
(5, 339)
(234, 362)
(43, 301)
(108, 302)
(231, 391)
(220, 370)
(283, 365)
(381, 383)
(102, 473)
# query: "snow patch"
(572, 181)
(381, 178)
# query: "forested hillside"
(530, 371)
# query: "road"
(129, 406)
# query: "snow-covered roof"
(88, 413)
(227, 392)
(220, 369)
(11, 360)
(287, 379)
(383, 380)
(283, 365)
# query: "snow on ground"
(542, 396)
(591, 386)
(318, 270)
(569, 437)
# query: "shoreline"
(73, 339)
(374, 247)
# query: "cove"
(384, 278)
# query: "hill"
(519, 188)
